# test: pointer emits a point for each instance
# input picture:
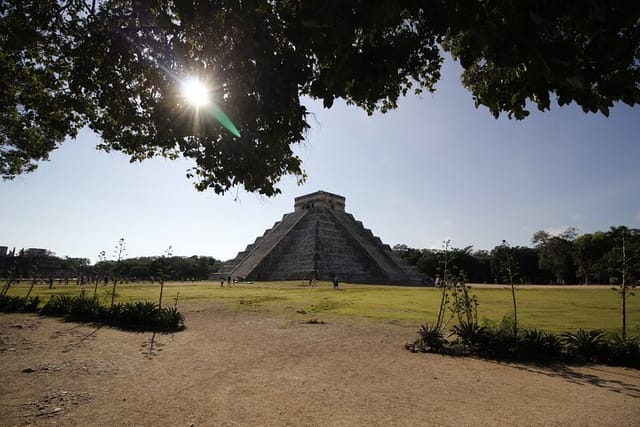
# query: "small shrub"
(16, 304)
(508, 325)
(133, 315)
(585, 344)
(170, 318)
(84, 309)
(10, 304)
(114, 314)
(536, 344)
(58, 305)
(139, 313)
(498, 344)
(624, 352)
(431, 338)
(31, 304)
(145, 315)
(553, 345)
(472, 335)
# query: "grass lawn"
(556, 309)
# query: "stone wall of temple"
(319, 199)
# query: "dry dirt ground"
(245, 368)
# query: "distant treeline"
(567, 258)
(44, 266)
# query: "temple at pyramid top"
(319, 199)
(320, 240)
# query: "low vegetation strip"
(458, 318)
(529, 345)
(139, 315)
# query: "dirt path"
(231, 368)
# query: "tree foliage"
(590, 258)
(589, 250)
(166, 268)
(625, 265)
(527, 51)
(629, 264)
(116, 67)
(170, 268)
(556, 253)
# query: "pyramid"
(320, 240)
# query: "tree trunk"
(30, 289)
(113, 292)
(161, 291)
(515, 310)
(624, 289)
(624, 311)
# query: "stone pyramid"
(319, 240)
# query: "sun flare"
(195, 92)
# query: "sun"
(195, 92)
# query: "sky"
(434, 169)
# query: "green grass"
(552, 308)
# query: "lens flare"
(195, 92)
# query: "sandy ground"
(244, 368)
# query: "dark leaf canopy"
(515, 52)
(117, 67)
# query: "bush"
(536, 344)
(139, 316)
(31, 304)
(431, 338)
(170, 318)
(585, 345)
(58, 305)
(15, 304)
(115, 314)
(509, 341)
(472, 336)
(498, 344)
(533, 345)
(145, 316)
(139, 313)
(84, 309)
(624, 352)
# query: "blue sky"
(436, 168)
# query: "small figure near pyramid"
(319, 240)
